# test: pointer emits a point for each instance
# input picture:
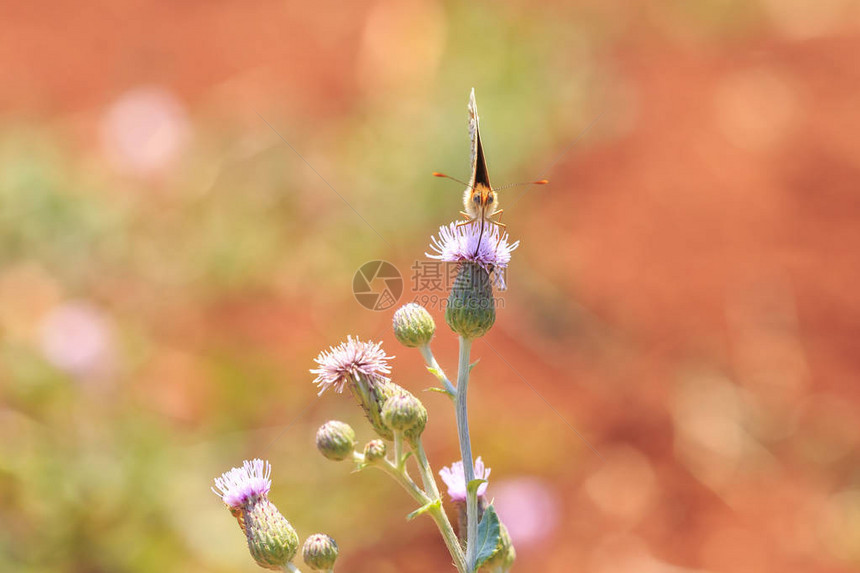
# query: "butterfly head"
(482, 198)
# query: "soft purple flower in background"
(239, 486)
(145, 131)
(76, 338)
(455, 478)
(348, 359)
(529, 509)
(466, 243)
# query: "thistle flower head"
(336, 440)
(374, 450)
(405, 413)
(344, 362)
(455, 478)
(320, 552)
(413, 325)
(471, 308)
(240, 486)
(488, 247)
(272, 540)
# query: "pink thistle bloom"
(490, 249)
(340, 364)
(455, 478)
(241, 486)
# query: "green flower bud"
(374, 450)
(272, 541)
(371, 394)
(405, 413)
(413, 325)
(320, 552)
(336, 440)
(471, 310)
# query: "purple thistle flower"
(490, 249)
(455, 478)
(339, 364)
(239, 486)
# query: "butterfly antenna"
(437, 174)
(538, 182)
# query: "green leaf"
(489, 531)
(437, 389)
(472, 486)
(473, 364)
(435, 372)
(424, 509)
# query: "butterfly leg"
(466, 216)
(498, 223)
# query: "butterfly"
(480, 199)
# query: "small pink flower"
(339, 364)
(455, 478)
(240, 486)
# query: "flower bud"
(320, 552)
(374, 450)
(413, 325)
(405, 413)
(336, 440)
(371, 395)
(471, 310)
(272, 541)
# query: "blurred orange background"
(187, 189)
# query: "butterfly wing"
(479, 177)
(474, 136)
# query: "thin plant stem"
(436, 512)
(398, 450)
(451, 539)
(438, 372)
(399, 476)
(426, 473)
(291, 568)
(463, 368)
(451, 542)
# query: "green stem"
(442, 518)
(426, 473)
(437, 370)
(399, 476)
(398, 450)
(436, 512)
(451, 542)
(291, 568)
(463, 368)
